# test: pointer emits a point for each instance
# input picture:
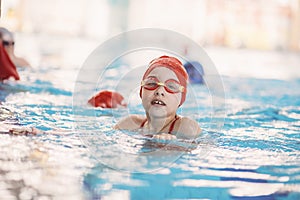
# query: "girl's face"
(9, 43)
(160, 102)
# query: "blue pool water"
(254, 155)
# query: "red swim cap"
(107, 99)
(173, 64)
(7, 67)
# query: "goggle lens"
(8, 43)
(171, 86)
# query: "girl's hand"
(164, 136)
(24, 131)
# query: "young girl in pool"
(163, 91)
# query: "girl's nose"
(160, 91)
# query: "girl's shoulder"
(188, 128)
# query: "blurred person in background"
(7, 67)
(195, 71)
(8, 43)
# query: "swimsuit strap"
(173, 124)
(143, 123)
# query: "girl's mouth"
(157, 102)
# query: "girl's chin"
(157, 111)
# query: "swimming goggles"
(7, 43)
(171, 85)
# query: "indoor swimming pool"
(255, 154)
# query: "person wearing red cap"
(7, 67)
(163, 91)
(107, 99)
(8, 43)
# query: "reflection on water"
(256, 154)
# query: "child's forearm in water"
(17, 130)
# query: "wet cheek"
(177, 99)
(146, 97)
(147, 94)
